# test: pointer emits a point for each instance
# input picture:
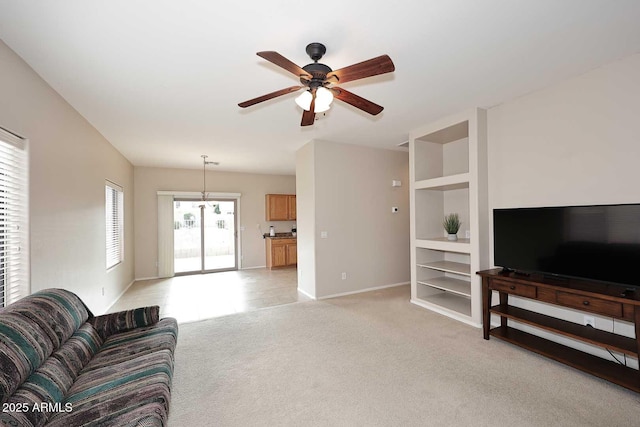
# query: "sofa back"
(31, 329)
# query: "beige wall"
(353, 201)
(69, 162)
(306, 214)
(577, 142)
(253, 187)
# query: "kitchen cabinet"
(280, 207)
(292, 253)
(281, 252)
(292, 206)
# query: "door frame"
(214, 196)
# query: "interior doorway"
(205, 236)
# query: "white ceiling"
(161, 79)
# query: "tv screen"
(588, 242)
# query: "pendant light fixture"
(204, 178)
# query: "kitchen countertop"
(279, 236)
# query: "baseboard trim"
(306, 294)
(375, 288)
(120, 296)
(252, 268)
(137, 279)
(446, 312)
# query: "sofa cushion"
(57, 311)
(49, 383)
(130, 345)
(118, 391)
(24, 346)
(122, 321)
(78, 351)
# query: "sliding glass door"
(205, 236)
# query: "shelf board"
(450, 302)
(443, 244)
(593, 336)
(610, 371)
(448, 134)
(448, 284)
(448, 267)
(451, 182)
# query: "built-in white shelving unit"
(448, 174)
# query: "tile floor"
(202, 296)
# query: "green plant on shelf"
(451, 223)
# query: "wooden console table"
(613, 301)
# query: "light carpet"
(374, 359)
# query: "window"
(14, 211)
(114, 215)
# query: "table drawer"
(513, 288)
(594, 305)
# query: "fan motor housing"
(318, 71)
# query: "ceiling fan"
(318, 78)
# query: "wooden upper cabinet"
(292, 207)
(280, 207)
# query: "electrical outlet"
(103, 291)
(344, 276)
(589, 321)
(467, 234)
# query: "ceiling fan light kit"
(324, 98)
(318, 78)
(304, 100)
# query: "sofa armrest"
(122, 321)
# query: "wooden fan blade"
(372, 67)
(268, 96)
(308, 117)
(357, 101)
(282, 62)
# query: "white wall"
(68, 164)
(575, 143)
(253, 187)
(306, 215)
(352, 204)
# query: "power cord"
(616, 359)
(624, 355)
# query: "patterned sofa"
(62, 366)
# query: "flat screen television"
(600, 243)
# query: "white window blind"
(14, 214)
(114, 215)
